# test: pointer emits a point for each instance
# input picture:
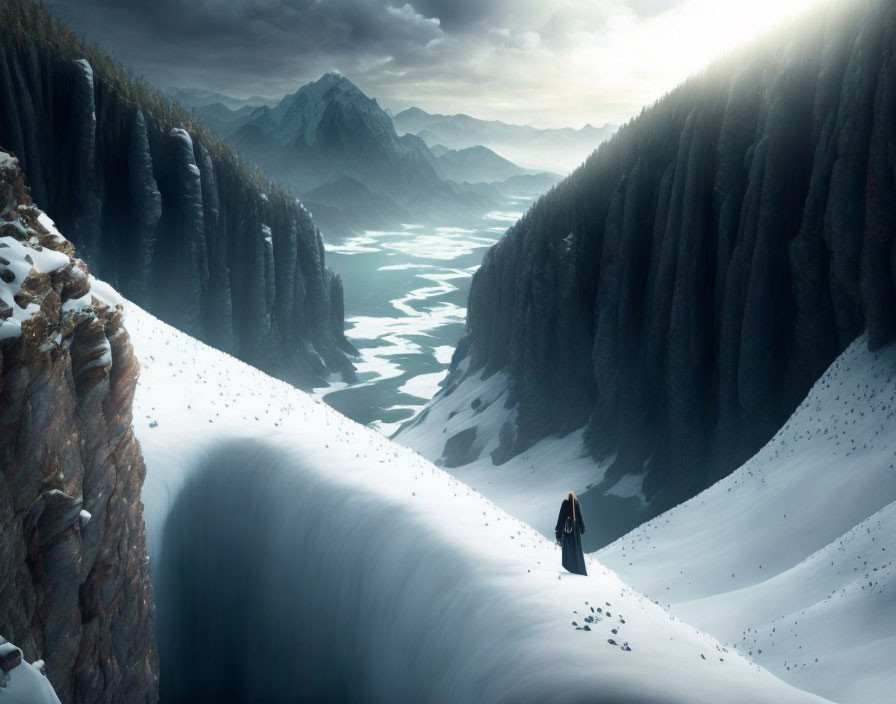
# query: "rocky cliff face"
(680, 292)
(74, 574)
(167, 215)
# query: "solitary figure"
(570, 527)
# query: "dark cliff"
(160, 209)
(74, 573)
(681, 291)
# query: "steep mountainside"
(159, 208)
(74, 575)
(679, 293)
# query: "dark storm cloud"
(238, 44)
(558, 62)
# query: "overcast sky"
(546, 62)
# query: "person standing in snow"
(568, 530)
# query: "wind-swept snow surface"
(298, 555)
(790, 559)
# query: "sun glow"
(707, 29)
(638, 60)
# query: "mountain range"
(551, 149)
(337, 148)
(329, 129)
(199, 98)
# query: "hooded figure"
(569, 529)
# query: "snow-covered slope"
(320, 556)
(529, 486)
(790, 559)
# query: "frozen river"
(405, 309)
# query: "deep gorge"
(681, 291)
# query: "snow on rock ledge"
(73, 593)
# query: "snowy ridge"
(305, 113)
(396, 578)
(299, 114)
(790, 558)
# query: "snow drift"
(790, 559)
(300, 556)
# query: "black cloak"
(573, 557)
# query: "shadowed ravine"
(275, 585)
(678, 295)
(265, 594)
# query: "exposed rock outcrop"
(160, 209)
(681, 291)
(74, 574)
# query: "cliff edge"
(74, 573)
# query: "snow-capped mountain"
(337, 149)
(329, 129)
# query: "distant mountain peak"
(328, 129)
(298, 115)
(329, 81)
